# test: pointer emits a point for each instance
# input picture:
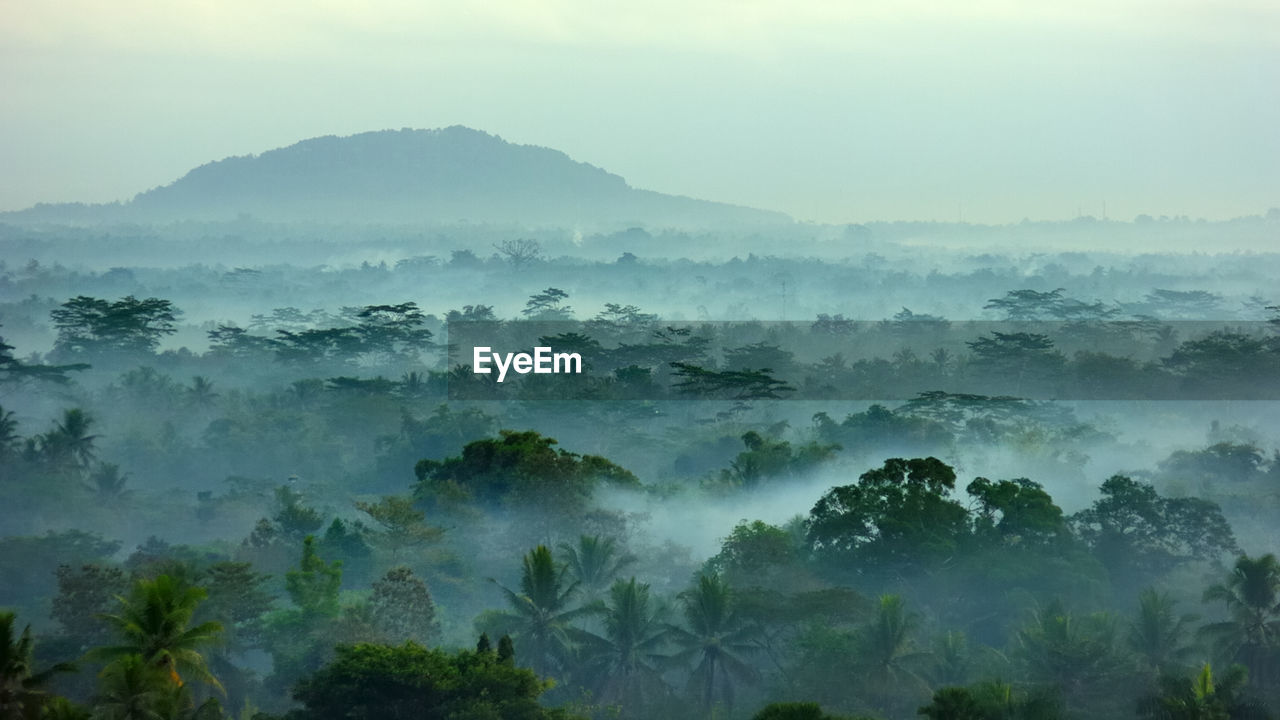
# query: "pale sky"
(830, 111)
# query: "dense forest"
(808, 472)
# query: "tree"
(403, 526)
(540, 612)
(389, 332)
(520, 252)
(69, 442)
(1202, 697)
(1138, 534)
(84, 595)
(768, 459)
(1075, 654)
(993, 700)
(1016, 512)
(22, 687)
(624, 661)
(154, 622)
(131, 689)
(716, 639)
(107, 484)
(795, 711)
(1251, 635)
(546, 305)
(403, 609)
(296, 521)
(886, 656)
(92, 326)
(409, 682)
(739, 385)
(595, 562)
(1157, 634)
(314, 586)
(900, 515)
(520, 467)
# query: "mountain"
(448, 175)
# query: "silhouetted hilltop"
(454, 174)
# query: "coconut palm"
(887, 659)
(154, 623)
(107, 484)
(540, 611)
(1252, 596)
(201, 393)
(22, 693)
(1202, 697)
(595, 562)
(624, 662)
(131, 689)
(1157, 633)
(717, 638)
(69, 442)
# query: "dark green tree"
(92, 326)
(409, 682)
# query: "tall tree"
(155, 622)
(540, 612)
(716, 639)
(93, 326)
(595, 562)
(1251, 635)
(625, 661)
(22, 687)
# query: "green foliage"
(375, 682)
(768, 459)
(716, 639)
(154, 622)
(22, 688)
(742, 385)
(84, 594)
(90, 326)
(900, 515)
(1251, 634)
(1158, 634)
(795, 711)
(518, 467)
(403, 609)
(991, 700)
(403, 526)
(595, 562)
(314, 586)
(540, 612)
(1203, 697)
(1138, 534)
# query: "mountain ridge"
(444, 175)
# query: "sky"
(833, 112)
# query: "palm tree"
(153, 623)
(69, 442)
(624, 661)
(540, 612)
(22, 693)
(107, 484)
(1201, 698)
(8, 434)
(887, 655)
(131, 689)
(1075, 654)
(1157, 633)
(716, 636)
(595, 562)
(1252, 597)
(201, 393)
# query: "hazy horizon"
(827, 113)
